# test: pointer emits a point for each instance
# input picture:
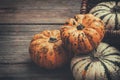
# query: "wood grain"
(27, 28)
(32, 71)
(37, 11)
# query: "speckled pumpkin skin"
(48, 54)
(102, 64)
(109, 12)
(82, 39)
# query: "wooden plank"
(14, 51)
(14, 58)
(28, 71)
(18, 33)
(7, 38)
(37, 11)
(11, 46)
(27, 28)
(39, 4)
(40, 16)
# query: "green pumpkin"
(103, 64)
(109, 12)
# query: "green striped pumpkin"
(103, 64)
(109, 12)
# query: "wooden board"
(37, 11)
(32, 71)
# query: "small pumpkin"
(109, 12)
(82, 33)
(46, 49)
(103, 64)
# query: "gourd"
(102, 64)
(109, 12)
(82, 33)
(46, 49)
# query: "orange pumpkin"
(82, 33)
(46, 49)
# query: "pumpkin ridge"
(99, 10)
(55, 58)
(105, 49)
(85, 47)
(107, 22)
(37, 42)
(104, 5)
(116, 21)
(67, 40)
(79, 42)
(114, 62)
(77, 63)
(85, 71)
(37, 58)
(103, 16)
(118, 54)
(115, 67)
(106, 71)
(90, 40)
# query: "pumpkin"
(82, 33)
(109, 12)
(102, 64)
(46, 49)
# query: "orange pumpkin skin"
(46, 50)
(82, 33)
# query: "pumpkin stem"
(52, 39)
(80, 27)
(94, 55)
(115, 9)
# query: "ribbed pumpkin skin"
(105, 65)
(45, 53)
(109, 12)
(83, 40)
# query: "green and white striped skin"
(109, 12)
(104, 64)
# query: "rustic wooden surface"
(37, 11)
(19, 21)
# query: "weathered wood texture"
(37, 11)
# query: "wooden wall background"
(19, 21)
